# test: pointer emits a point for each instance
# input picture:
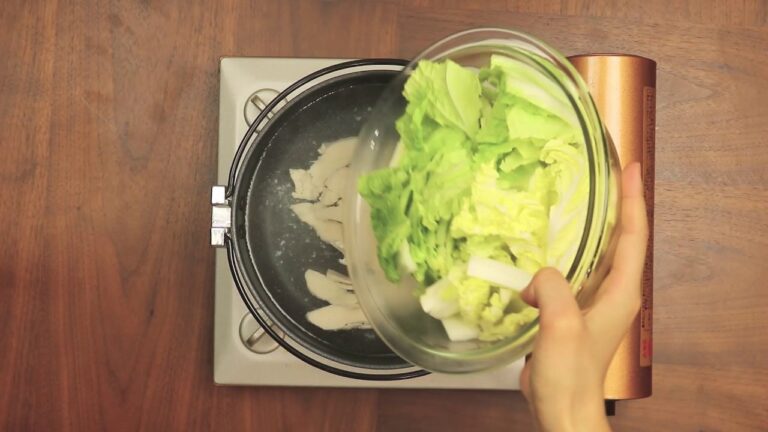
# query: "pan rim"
(240, 238)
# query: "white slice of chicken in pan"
(332, 213)
(303, 186)
(333, 158)
(339, 277)
(326, 289)
(329, 231)
(333, 190)
(333, 317)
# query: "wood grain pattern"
(107, 138)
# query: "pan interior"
(280, 246)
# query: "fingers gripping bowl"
(483, 161)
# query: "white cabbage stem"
(498, 273)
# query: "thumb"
(551, 293)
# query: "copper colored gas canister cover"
(624, 90)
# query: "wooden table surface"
(108, 133)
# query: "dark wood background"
(108, 120)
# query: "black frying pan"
(272, 247)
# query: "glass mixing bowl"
(393, 308)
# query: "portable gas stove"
(623, 87)
(244, 354)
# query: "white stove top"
(265, 363)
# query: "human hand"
(563, 381)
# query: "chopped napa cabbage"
(489, 183)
